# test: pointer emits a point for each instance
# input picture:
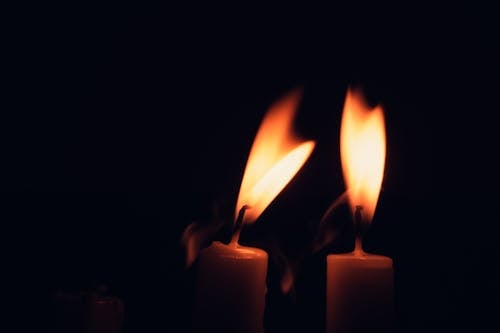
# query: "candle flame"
(275, 157)
(362, 152)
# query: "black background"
(125, 124)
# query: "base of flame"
(359, 230)
(238, 224)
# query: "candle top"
(367, 258)
(220, 249)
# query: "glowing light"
(362, 152)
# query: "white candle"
(230, 289)
(359, 293)
(359, 290)
(231, 281)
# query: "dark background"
(125, 124)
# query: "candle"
(359, 291)
(88, 312)
(231, 289)
(231, 281)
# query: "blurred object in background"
(88, 312)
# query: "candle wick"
(238, 224)
(358, 230)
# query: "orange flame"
(362, 152)
(275, 157)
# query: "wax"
(359, 293)
(230, 289)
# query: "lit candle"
(359, 284)
(231, 281)
(231, 289)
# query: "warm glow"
(275, 157)
(362, 151)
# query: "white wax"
(359, 293)
(231, 289)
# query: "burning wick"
(238, 225)
(358, 231)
